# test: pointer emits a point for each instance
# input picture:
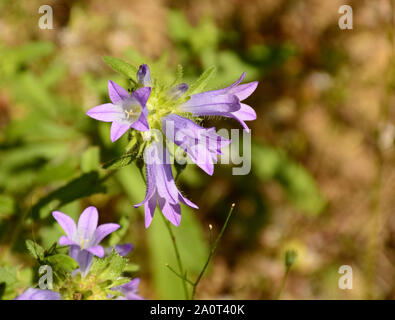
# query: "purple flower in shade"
(202, 145)
(126, 111)
(161, 188)
(122, 249)
(38, 294)
(224, 102)
(84, 238)
(130, 290)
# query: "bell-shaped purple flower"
(85, 237)
(144, 76)
(39, 294)
(201, 145)
(161, 188)
(126, 111)
(130, 290)
(224, 102)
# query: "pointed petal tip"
(65, 241)
(208, 170)
(114, 138)
(96, 250)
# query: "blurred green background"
(322, 180)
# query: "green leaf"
(300, 188)
(192, 247)
(63, 262)
(201, 83)
(6, 206)
(90, 160)
(8, 282)
(120, 162)
(83, 186)
(109, 268)
(35, 250)
(121, 66)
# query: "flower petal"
(144, 75)
(67, 224)
(124, 249)
(118, 130)
(83, 257)
(142, 95)
(245, 113)
(207, 105)
(158, 166)
(202, 145)
(241, 119)
(130, 290)
(165, 184)
(116, 92)
(133, 296)
(172, 212)
(132, 285)
(151, 184)
(97, 251)
(141, 124)
(177, 91)
(149, 211)
(104, 230)
(244, 91)
(187, 202)
(39, 294)
(87, 223)
(107, 112)
(203, 158)
(65, 241)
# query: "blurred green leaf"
(270, 163)
(193, 251)
(199, 38)
(121, 66)
(120, 162)
(6, 206)
(90, 160)
(201, 83)
(8, 282)
(83, 186)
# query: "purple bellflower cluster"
(84, 240)
(151, 109)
